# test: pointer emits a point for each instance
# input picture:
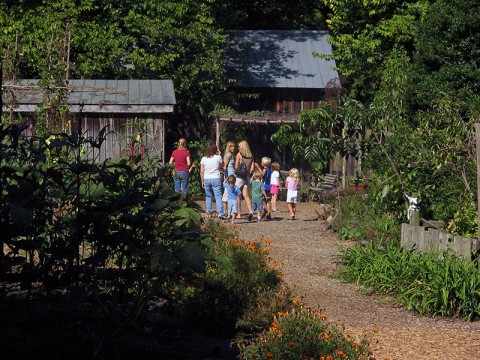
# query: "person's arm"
(226, 161)
(222, 165)
(238, 158)
(252, 167)
(171, 160)
(189, 161)
(202, 170)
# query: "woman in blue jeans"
(211, 175)
(182, 166)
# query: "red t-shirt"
(180, 159)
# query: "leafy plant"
(107, 226)
(465, 221)
(304, 333)
(432, 284)
(322, 133)
(348, 233)
(241, 288)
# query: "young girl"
(292, 184)
(275, 185)
(234, 193)
(258, 193)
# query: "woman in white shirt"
(210, 173)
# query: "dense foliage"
(432, 284)
(411, 135)
(447, 55)
(110, 225)
(139, 39)
(367, 35)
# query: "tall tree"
(365, 34)
(120, 39)
(271, 14)
(447, 57)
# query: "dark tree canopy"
(447, 57)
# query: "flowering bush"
(304, 333)
(239, 288)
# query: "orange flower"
(267, 240)
(323, 316)
(329, 357)
(327, 336)
(269, 354)
(265, 249)
(340, 352)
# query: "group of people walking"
(234, 176)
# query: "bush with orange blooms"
(304, 333)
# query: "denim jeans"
(181, 181)
(213, 189)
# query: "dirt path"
(308, 254)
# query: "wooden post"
(415, 218)
(477, 142)
(415, 214)
(217, 132)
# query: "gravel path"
(308, 254)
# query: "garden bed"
(308, 252)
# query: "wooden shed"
(281, 68)
(278, 74)
(134, 111)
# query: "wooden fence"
(427, 239)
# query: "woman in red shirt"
(183, 166)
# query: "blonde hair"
(182, 143)
(266, 161)
(295, 175)
(244, 149)
(227, 147)
(257, 175)
(275, 166)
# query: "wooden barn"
(277, 74)
(134, 111)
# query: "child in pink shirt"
(292, 184)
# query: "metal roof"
(280, 59)
(99, 96)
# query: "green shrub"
(432, 284)
(465, 221)
(304, 333)
(357, 219)
(240, 286)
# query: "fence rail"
(426, 239)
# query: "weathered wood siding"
(280, 100)
(122, 131)
(423, 239)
